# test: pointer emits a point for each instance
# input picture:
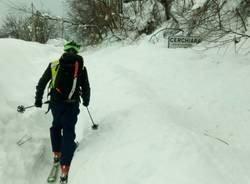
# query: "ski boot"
(64, 179)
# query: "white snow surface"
(178, 116)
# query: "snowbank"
(22, 65)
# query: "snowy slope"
(176, 116)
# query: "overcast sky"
(55, 7)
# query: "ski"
(53, 173)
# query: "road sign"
(183, 41)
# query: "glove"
(86, 103)
(38, 103)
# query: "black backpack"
(65, 77)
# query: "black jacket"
(82, 85)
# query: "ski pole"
(21, 108)
(94, 126)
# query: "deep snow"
(178, 116)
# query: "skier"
(65, 92)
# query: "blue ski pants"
(62, 132)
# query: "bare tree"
(44, 29)
(167, 5)
(92, 20)
(29, 26)
(13, 26)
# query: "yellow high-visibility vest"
(54, 68)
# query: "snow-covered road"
(165, 115)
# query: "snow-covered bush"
(142, 17)
(209, 19)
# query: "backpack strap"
(74, 80)
(54, 68)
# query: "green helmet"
(72, 45)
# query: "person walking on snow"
(68, 82)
